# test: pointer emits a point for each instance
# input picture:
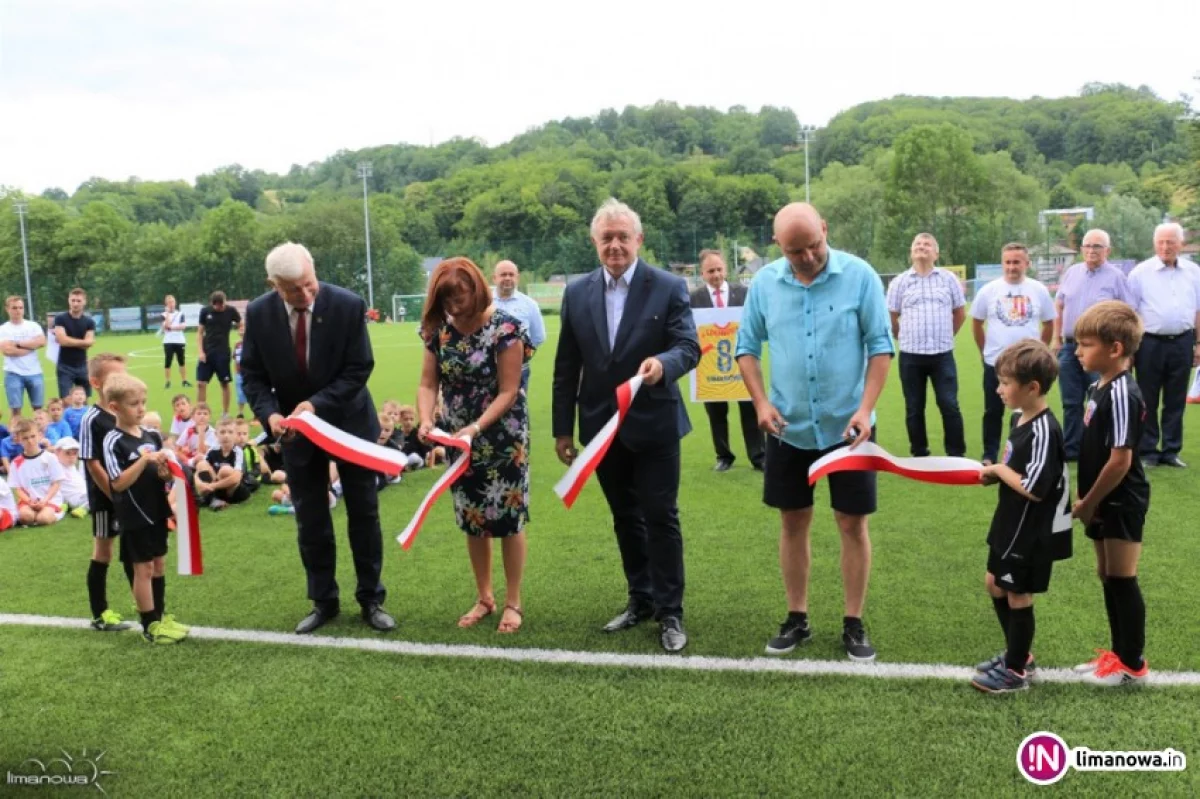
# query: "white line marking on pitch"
(760, 665)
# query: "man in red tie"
(307, 349)
(718, 293)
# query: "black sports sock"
(1000, 603)
(1131, 610)
(128, 571)
(798, 615)
(97, 584)
(1114, 620)
(158, 585)
(148, 618)
(852, 623)
(1020, 637)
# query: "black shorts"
(1119, 524)
(104, 524)
(173, 351)
(214, 363)
(144, 544)
(785, 481)
(1029, 575)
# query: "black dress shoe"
(378, 619)
(723, 466)
(1172, 461)
(672, 636)
(317, 617)
(631, 616)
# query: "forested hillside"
(974, 171)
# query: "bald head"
(505, 275)
(800, 233)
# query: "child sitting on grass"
(75, 409)
(218, 478)
(74, 486)
(36, 478)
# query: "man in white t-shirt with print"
(1008, 309)
(20, 339)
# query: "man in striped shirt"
(928, 308)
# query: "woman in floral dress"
(474, 354)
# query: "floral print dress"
(492, 496)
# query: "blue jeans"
(237, 382)
(1073, 382)
(16, 385)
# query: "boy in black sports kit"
(96, 423)
(136, 464)
(1114, 494)
(1031, 527)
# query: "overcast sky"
(168, 89)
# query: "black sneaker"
(168, 385)
(858, 646)
(791, 633)
(998, 663)
(186, 384)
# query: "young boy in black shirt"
(136, 465)
(219, 474)
(1114, 494)
(94, 425)
(1031, 512)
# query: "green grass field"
(231, 718)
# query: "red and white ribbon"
(344, 446)
(1193, 395)
(187, 524)
(869, 457)
(452, 473)
(585, 463)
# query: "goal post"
(407, 307)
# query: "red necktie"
(301, 342)
(717, 296)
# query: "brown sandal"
(474, 616)
(509, 627)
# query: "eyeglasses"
(1095, 246)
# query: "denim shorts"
(16, 385)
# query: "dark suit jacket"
(657, 321)
(339, 361)
(702, 297)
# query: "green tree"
(851, 201)
(1129, 224)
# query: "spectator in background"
(20, 339)
(718, 293)
(75, 409)
(1005, 311)
(928, 309)
(1165, 291)
(1082, 286)
(212, 338)
(520, 306)
(174, 340)
(58, 427)
(75, 332)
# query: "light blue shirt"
(820, 337)
(525, 309)
(615, 293)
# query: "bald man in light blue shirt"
(522, 306)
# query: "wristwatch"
(478, 429)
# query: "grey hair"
(1101, 233)
(929, 237)
(288, 261)
(612, 208)
(1170, 227)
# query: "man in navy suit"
(307, 349)
(627, 318)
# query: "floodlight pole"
(19, 208)
(364, 172)
(806, 134)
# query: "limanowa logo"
(81, 771)
(1044, 758)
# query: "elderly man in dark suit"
(718, 293)
(627, 318)
(307, 349)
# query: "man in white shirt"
(718, 293)
(928, 309)
(20, 340)
(1165, 291)
(521, 306)
(1008, 309)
